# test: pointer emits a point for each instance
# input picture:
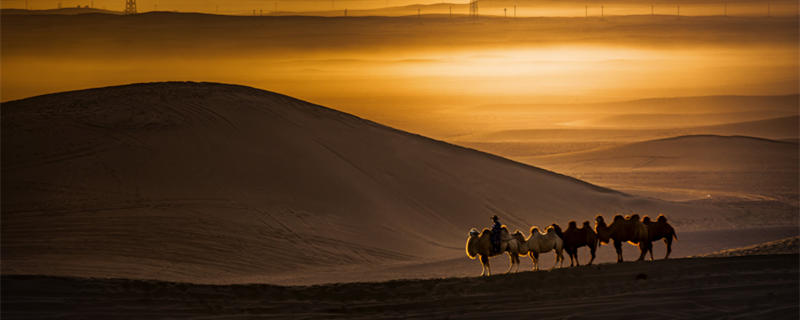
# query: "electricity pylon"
(130, 6)
(473, 8)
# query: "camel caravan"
(632, 229)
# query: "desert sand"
(733, 287)
(782, 246)
(214, 183)
(690, 167)
(204, 199)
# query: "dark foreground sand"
(750, 287)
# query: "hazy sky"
(488, 7)
(224, 6)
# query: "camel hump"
(518, 236)
(504, 234)
(586, 224)
(661, 218)
(572, 224)
(557, 229)
(646, 219)
(635, 217)
(618, 217)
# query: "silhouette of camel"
(575, 238)
(629, 229)
(658, 230)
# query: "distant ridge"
(688, 137)
(62, 11)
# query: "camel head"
(557, 229)
(603, 231)
(599, 220)
(472, 242)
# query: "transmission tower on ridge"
(130, 6)
(473, 8)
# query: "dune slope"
(691, 166)
(218, 183)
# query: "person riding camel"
(496, 234)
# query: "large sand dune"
(218, 183)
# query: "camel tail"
(674, 234)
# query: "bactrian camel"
(479, 244)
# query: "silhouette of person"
(496, 231)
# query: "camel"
(660, 229)
(480, 244)
(629, 229)
(575, 238)
(538, 243)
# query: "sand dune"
(747, 287)
(690, 167)
(780, 128)
(695, 152)
(218, 183)
(62, 11)
(783, 246)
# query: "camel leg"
(571, 262)
(651, 253)
(485, 264)
(569, 253)
(577, 262)
(516, 262)
(618, 247)
(668, 242)
(535, 261)
(593, 251)
(560, 258)
(557, 253)
(643, 248)
(510, 262)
